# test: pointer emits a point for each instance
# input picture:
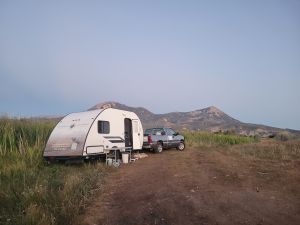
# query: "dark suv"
(158, 139)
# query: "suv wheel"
(159, 148)
(181, 146)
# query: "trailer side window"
(103, 127)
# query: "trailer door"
(128, 132)
(136, 135)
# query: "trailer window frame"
(103, 127)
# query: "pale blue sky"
(58, 57)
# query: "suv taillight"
(149, 139)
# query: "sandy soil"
(198, 187)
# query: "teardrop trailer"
(92, 134)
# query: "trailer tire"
(158, 148)
(181, 146)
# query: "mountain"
(208, 119)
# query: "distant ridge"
(208, 119)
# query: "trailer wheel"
(159, 148)
(181, 146)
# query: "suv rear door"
(158, 134)
(172, 141)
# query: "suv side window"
(170, 132)
(157, 131)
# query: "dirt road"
(198, 187)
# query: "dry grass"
(246, 147)
(268, 150)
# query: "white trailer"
(93, 133)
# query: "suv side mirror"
(176, 133)
(163, 133)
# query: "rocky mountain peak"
(105, 105)
(213, 109)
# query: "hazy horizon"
(242, 57)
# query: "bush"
(284, 136)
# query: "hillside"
(207, 119)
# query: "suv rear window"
(155, 131)
(148, 131)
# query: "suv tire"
(158, 148)
(181, 146)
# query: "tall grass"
(31, 192)
(279, 149)
(195, 139)
(268, 150)
(17, 135)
